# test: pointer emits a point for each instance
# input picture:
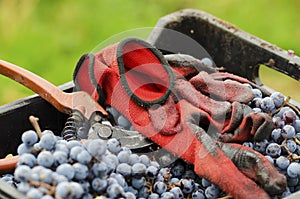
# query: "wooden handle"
(45, 89)
(64, 102)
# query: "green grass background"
(48, 37)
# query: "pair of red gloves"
(188, 108)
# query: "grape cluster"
(283, 146)
(55, 168)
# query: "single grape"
(115, 190)
(72, 143)
(22, 173)
(273, 150)
(23, 187)
(296, 125)
(282, 110)
(97, 147)
(177, 192)
(82, 133)
(27, 159)
(29, 137)
(81, 171)
(63, 190)
(291, 145)
(134, 158)
(61, 147)
(289, 116)
(257, 110)
(153, 196)
(144, 192)
(113, 145)
(74, 151)
(111, 161)
(151, 171)
(174, 181)
(129, 195)
(66, 170)
(178, 170)
(276, 134)
(48, 141)
(198, 194)
(138, 182)
(99, 184)
(207, 62)
(205, 183)
(100, 169)
(124, 122)
(45, 175)
(211, 192)
(60, 157)
(159, 187)
(84, 157)
(132, 190)
(58, 178)
(138, 169)
(47, 197)
(45, 158)
(278, 121)
(124, 156)
(124, 169)
(278, 99)
(120, 179)
(187, 185)
(77, 190)
(24, 148)
(257, 93)
(34, 193)
(288, 131)
(261, 146)
(267, 105)
(293, 170)
(167, 195)
(144, 159)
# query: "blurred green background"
(48, 37)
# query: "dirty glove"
(172, 107)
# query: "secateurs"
(79, 105)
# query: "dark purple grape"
(289, 116)
(187, 185)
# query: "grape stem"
(34, 122)
(226, 197)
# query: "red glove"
(164, 103)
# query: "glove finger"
(217, 109)
(187, 66)
(222, 90)
(256, 166)
(211, 163)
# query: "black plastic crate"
(238, 51)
